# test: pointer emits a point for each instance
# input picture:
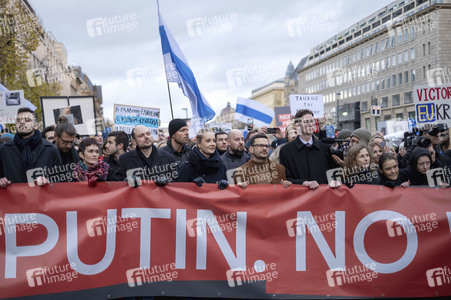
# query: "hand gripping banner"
(69, 240)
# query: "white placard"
(313, 102)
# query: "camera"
(436, 129)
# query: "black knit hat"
(175, 126)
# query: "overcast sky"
(254, 40)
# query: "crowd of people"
(301, 156)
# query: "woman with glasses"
(204, 164)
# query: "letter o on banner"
(383, 215)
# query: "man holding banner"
(306, 160)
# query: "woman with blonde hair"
(204, 164)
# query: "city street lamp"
(338, 112)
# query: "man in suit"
(147, 162)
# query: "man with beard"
(178, 138)
(27, 151)
(221, 142)
(260, 169)
(147, 161)
(235, 155)
(116, 144)
(64, 141)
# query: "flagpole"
(170, 99)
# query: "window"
(406, 56)
(406, 77)
(400, 38)
(382, 64)
(376, 47)
(377, 66)
(429, 48)
(406, 35)
(377, 85)
(400, 79)
(395, 100)
(412, 53)
(383, 45)
(387, 62)
(387, 43)
(399, 117)
(399, 58)
(424, 49)
(388, 82)
(408, 99)
(368, 124)
(394, 80)
(384, 102)
(393, 60)
(372, 86)
(368, 49)
(424, 72)
(373, 101)
(364, 105)
(382, 84)
(387, 118)
(393, 41)
(412, 32)
(412, 75)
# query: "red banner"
(263, 242)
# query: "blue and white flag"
(250, 111)
(26, 102)
(178, 70)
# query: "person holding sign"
(306, 159)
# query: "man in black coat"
(178, 139)
(116, 144)
(235, 156)
(28, 157)
(306, 159)
(147, 162)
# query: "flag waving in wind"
(260, 114)
(178, 70)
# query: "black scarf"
(148, 161)
(26, 146)
(203, 165)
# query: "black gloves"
(223, 184)
(199, 181)
(161, 181)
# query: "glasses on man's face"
(66, 142)
(26, 120)
(261, 146)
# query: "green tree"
(20, 34)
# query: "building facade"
(377, 62)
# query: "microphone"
(332, 141)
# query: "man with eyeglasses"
(260, 169)
(64, 140)
(28, 151)
(306, 159)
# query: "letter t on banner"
(178, 70)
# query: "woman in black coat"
(204, 164)
(420, 162)
(389, 171)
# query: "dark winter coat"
(198, 165)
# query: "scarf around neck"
(26, 146)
